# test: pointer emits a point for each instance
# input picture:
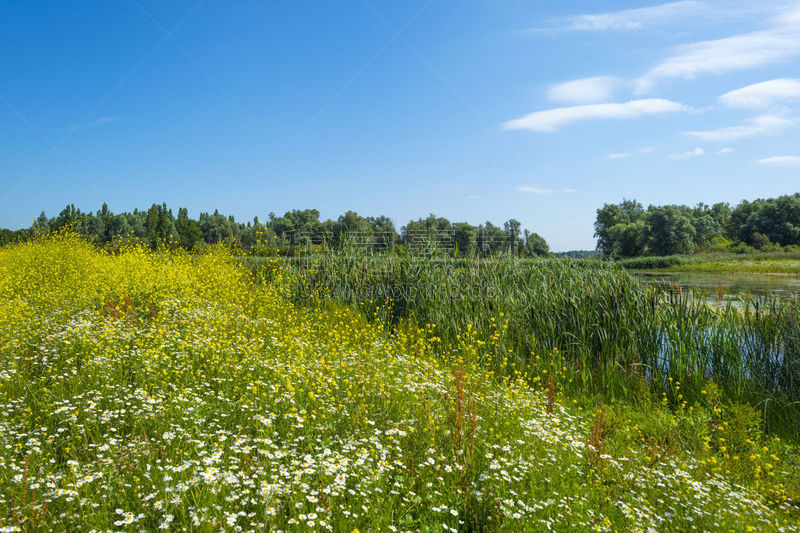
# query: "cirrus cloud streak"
(764, 94)
(763, 125)
(585, 90)
(781, 160)
(538, 190)
(553, 119)
(628, 19)
(777, 43)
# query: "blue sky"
(474, 110)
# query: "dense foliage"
(149, 390)
(578, 254)
(628, 230)
(293, 233)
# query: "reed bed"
(593, 322)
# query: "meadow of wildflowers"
(145, 391)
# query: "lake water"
(723, 286)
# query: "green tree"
(721, 213)
(118, 228)
(216, 228)
(760, 241)
(535, 245)
(430, 230)
(512, 230)
(151, 225)
(491, 239)
(626, 212)
(670, 231)
(69, 217)
(384, 232)
(737, 222)
(352, 227)
(42, 223)
(296, 224)
(189, 233)
(627, 239)
(706, 230)
(465, 237)
(136, 222)
(6, 236)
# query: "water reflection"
(722, 287)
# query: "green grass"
(767, 266)
(758, 262)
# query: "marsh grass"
(605, 330)
(767, 262)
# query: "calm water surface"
(724, 285)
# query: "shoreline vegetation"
(297, 232)
(762, 236)
(754, 262)
(163, 390)
(627, 230)
(616, 334)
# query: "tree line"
(292, 233)
(626, 229)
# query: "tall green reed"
(608, 330)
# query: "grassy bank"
(759, 262)
(147, 391)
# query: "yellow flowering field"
(145, 391)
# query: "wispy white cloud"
(628, 19)
(779, 42)
(764, 94)
(97, 122)
(683, 11)
(538, 190)
(473, 196)
(781, 160)
(585, 90)
(623, 155)
(552, 119)
(790, 15)
(697, 152)
(762, 125)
